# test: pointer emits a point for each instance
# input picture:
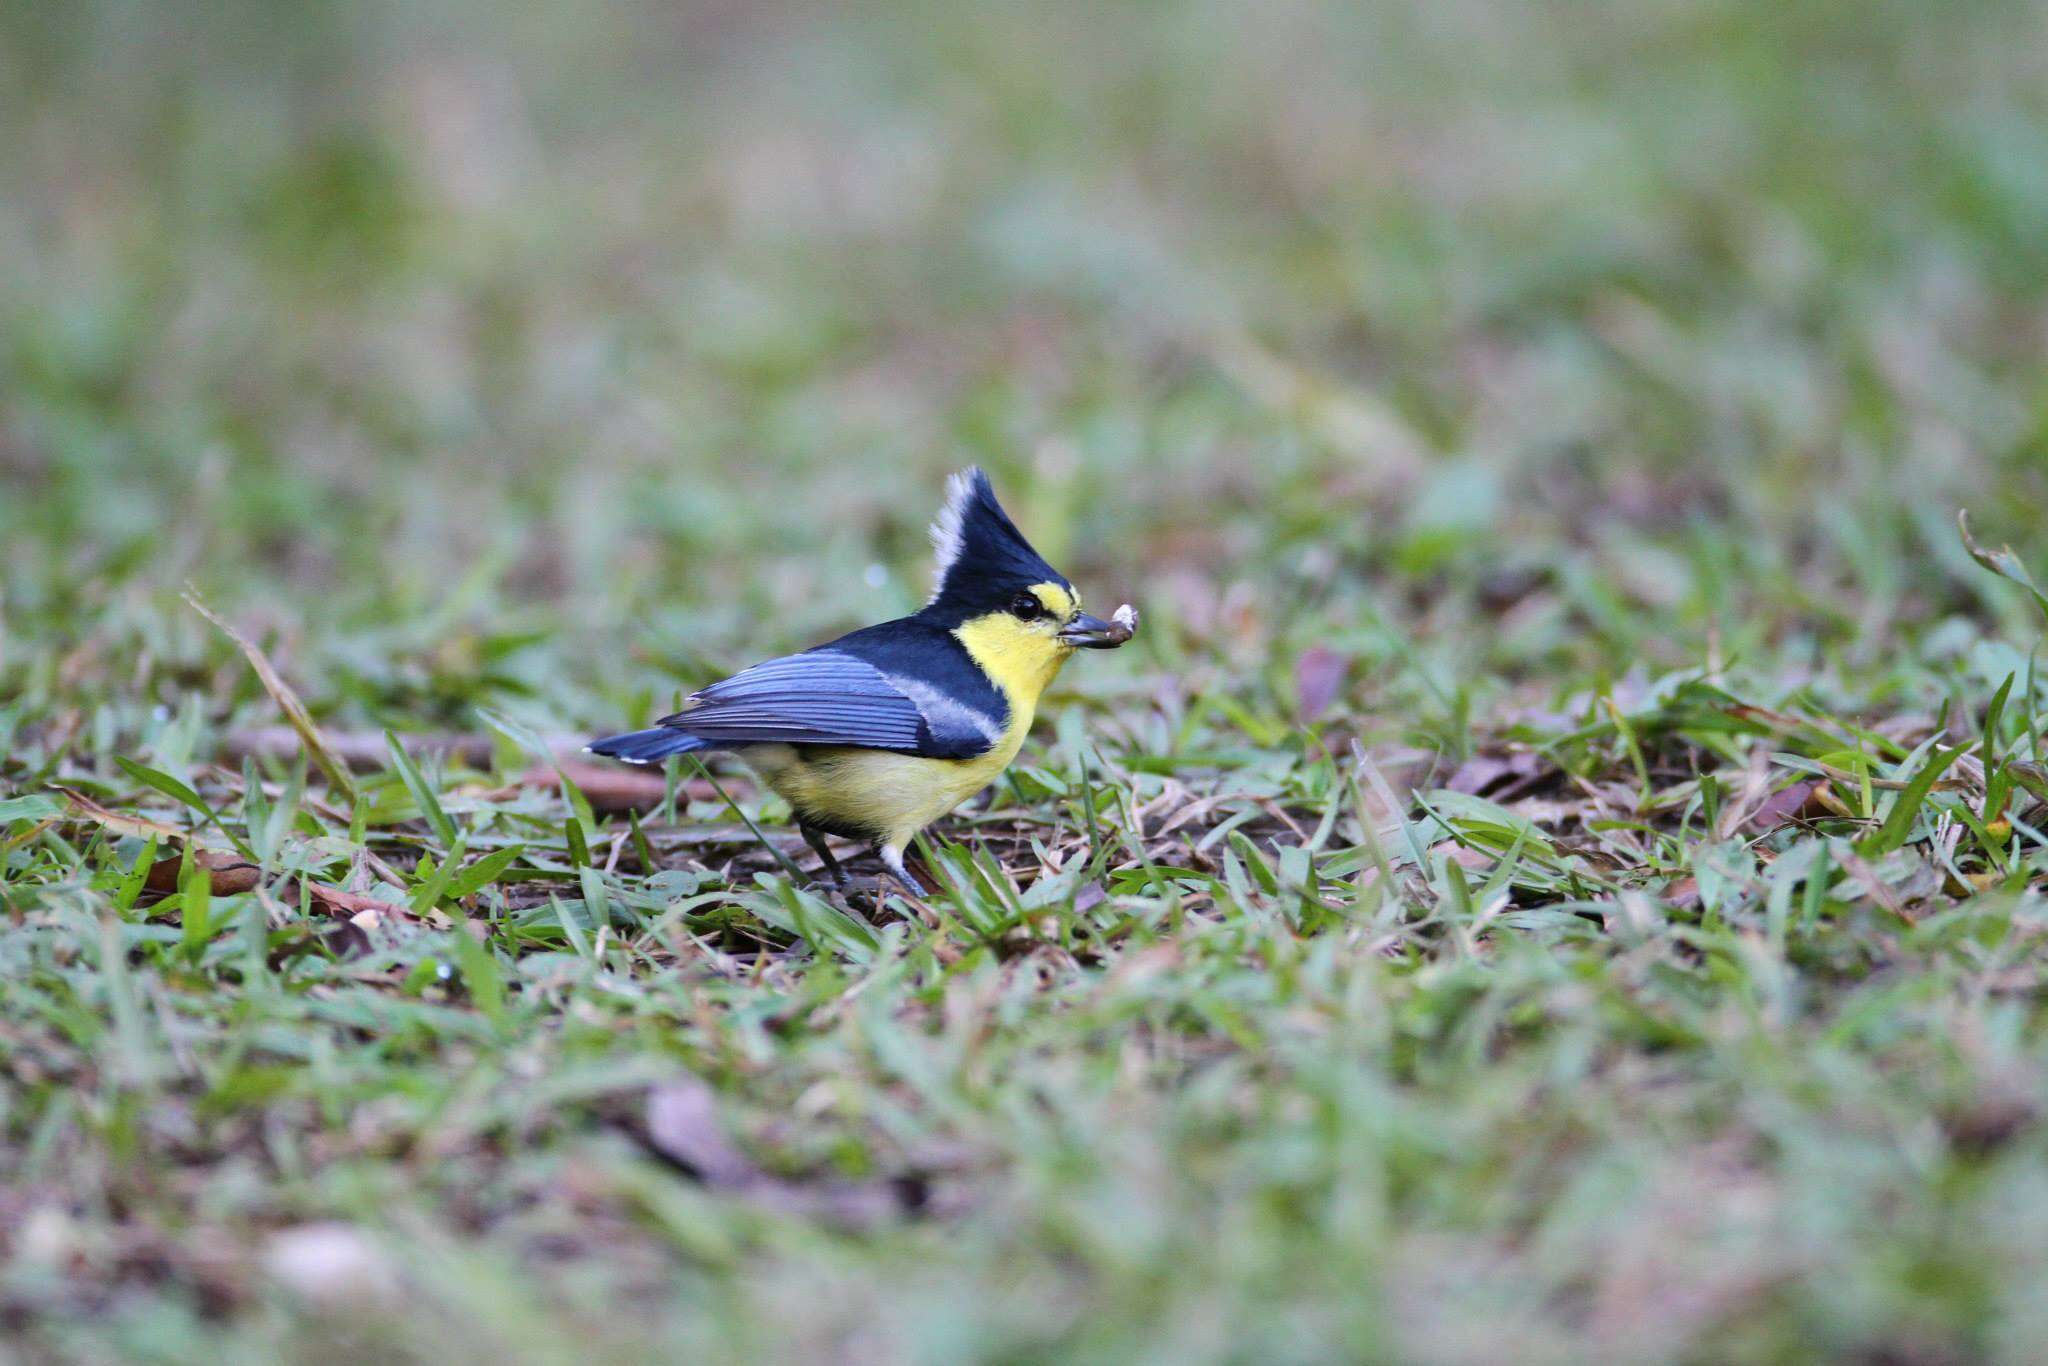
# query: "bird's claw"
(893, 860)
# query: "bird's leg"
(834, 874)
(892, 856)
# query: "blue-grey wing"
(823, 697)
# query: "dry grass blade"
(2002, 561)
(142, 827)
(287, 701)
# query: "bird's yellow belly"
(891, 796)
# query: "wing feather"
(823, 697)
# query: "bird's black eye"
(1027, 607)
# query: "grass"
(1559, 876)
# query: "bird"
(877, 734)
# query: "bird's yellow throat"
(1019, 660)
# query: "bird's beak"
(1093, 633)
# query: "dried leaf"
(683, 1126)
(1683, 892)
(610, 788)
(1782, 806)
(1318, 675)
(335, 901)
(1483, 773)
(1462, 854)
(227, 874)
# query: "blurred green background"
(648, 332)
(1495, 366)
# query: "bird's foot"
(893, 858)
(833, 875)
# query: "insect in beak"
(1093, 633)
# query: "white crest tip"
(946, 527)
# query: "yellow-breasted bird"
(877, 734)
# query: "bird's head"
(1018, 615)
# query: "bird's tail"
(648, 746)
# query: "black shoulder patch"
(965, 709)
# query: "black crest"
(983, 560)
